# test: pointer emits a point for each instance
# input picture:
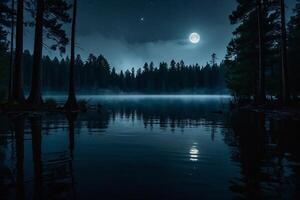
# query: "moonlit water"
(149, 147)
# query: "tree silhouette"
(12, 35)
(35, 97)
(4, 23)
(284, 71)
(51, 15)
(96, 74)
(293, 50)
(261, 70)
(71, 103)
(17, 93)
(250, 51)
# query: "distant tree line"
(96, 74)
(263, 56)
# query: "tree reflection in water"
(266, 151)
(263, 152)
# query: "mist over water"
(138, 97)
(149, 147)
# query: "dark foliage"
(243, 55)
(50, 15)
(55, 16)
(243, 51)
(97, 74)
(293, 51)
(4, 22)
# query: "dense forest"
(4, 61)
(48, 18)
(96, 74)
(262, 57)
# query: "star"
(142, 19)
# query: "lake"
(150, 147)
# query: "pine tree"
(248, 51)
(17, 87)
(293, 50)
(71, 103)
(35, 97)
(261, 93)
(12, 39)
(284, 70)
(4, 23)
(50, 15)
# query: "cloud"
(124, 55)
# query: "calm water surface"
(150, 147)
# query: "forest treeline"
(96, 74)
(263, 55)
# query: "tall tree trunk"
(17, 92)
(284, 71)
(10, 96)
(261, 69)
(71, 103)
(35, 97)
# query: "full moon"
(194, 38)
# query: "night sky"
(131, 32)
